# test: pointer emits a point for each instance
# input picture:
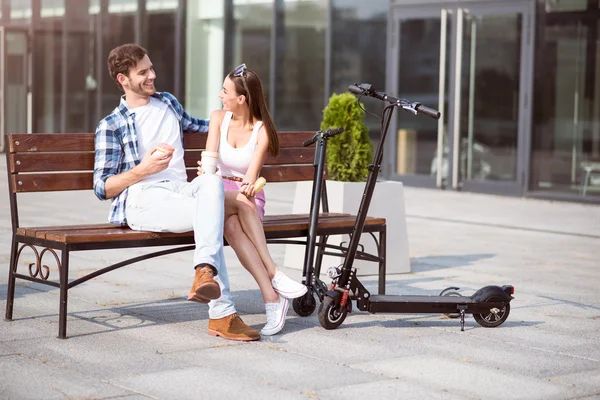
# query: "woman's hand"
(247, 189)
(200, 170)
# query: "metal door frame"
(442, 9)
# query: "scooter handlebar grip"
(310, 141)
(355, 89)
(435, 114)
(332, 132)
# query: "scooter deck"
(428, 304)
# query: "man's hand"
(157, 159)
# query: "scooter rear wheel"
(495, 317)
(305, 305)
(331, 315)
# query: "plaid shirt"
(117, 147)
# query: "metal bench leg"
(64, 288)
(320, 251)
(382, 254)
(12, 268)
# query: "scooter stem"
(367, 196)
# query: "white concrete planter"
(345, 197)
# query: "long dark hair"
(248, 84)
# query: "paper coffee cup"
(209, 161)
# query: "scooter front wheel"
(331, 315)
(305, 305)
(496, 316)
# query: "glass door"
(491, 108)
(418, 70)
(473, 64)
(14, 71)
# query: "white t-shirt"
(156, 123)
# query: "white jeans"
(181, 207)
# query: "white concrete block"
(345, 197)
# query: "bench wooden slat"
(287, 155)
(51, 142)
(281, 173)
(115, 233)
(36, 162)
(33, 231)
(193, 140)
(269, 220)
(52, 182)
(55, 142)
(40, 231)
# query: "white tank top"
(235, 161)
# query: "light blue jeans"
(181, 207)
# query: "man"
(139, 165)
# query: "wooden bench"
(62, 162)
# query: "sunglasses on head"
(239, 70)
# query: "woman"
(243, 132)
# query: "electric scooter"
(490, 305)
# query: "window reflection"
(566, 136)
(47, 76)
(159, 40)
(566, 5)
(300, 52)
(119, 28)
(358, 53)
(205, 41)
(20, 10)
(251, 39)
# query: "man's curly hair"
(123, 58)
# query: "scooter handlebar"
(326, 135)
(365, 89)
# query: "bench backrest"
(65, 161)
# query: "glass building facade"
(517, 81)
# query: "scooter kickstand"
(462, 317)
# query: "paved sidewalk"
(133, 335)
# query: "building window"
(159, 38)
(358, 54)
(300, 64)
(566, 5)
(250, 33)
(566, 128)
(118, 28)
(205, 43)
(20, 10)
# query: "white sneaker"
(287, 287)
(276, 313)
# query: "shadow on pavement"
(425, 321)
(430, 263)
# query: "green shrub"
(349, 153)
